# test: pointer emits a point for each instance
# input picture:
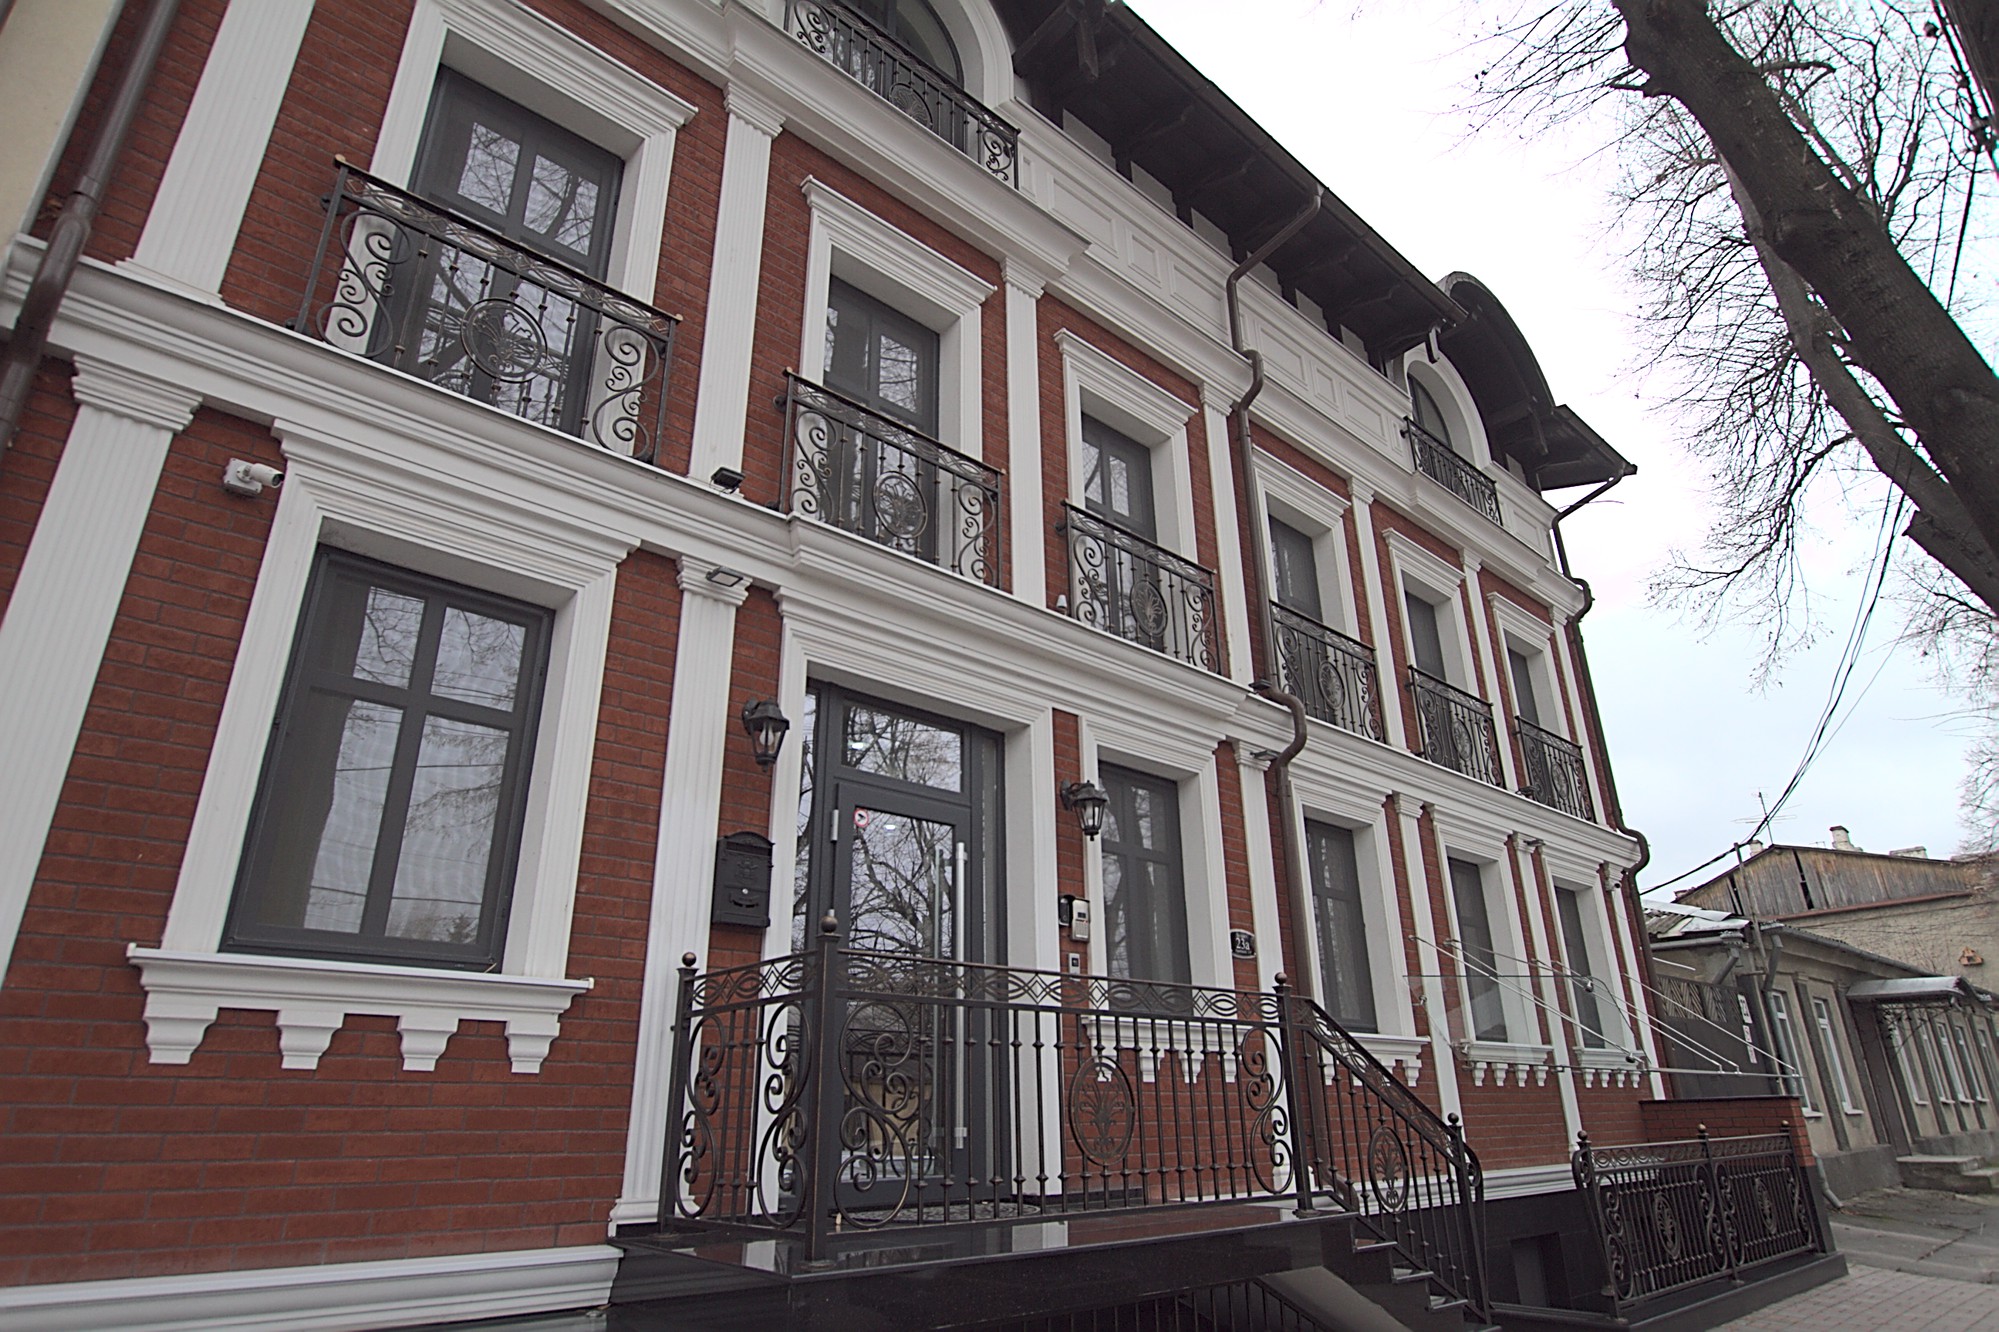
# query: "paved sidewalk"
(1871, 1299)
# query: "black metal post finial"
(829, 924)
(687, 961)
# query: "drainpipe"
(72, 226)
(1245, 469)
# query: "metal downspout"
(1245, 469)
(72, 226)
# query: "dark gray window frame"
(1160, 952)
(1337, 898)
(1294, 569)
(241, 933)
(1480, 949)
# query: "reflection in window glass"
(479, 659)
(888, 744)
(1342, 926)
(338, 889)
(448, 833)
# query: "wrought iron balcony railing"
(1438, 461)
(907, 81)
(1669, 1215)
(1554, 774)
(1454, 729)
(1125, 585)
(1333, 675)
(409, 284)
(841, 1091)
(869, 474)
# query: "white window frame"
(1522, 1049)
(550, 71)
(1969, 1060)
(1533, 639)
(1829, 1033)
(848, 242)
(1414, 569)
(1791, 1051)
(1295, 499)
(1947, 1057)
(1099, 386)
(473, 523)
(1324, 798)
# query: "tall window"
(484, 327)
(1835, 1059)
(388, 818)
(1480, 958)
(1294, 570)
(1788, 1051)
(1582, 983)
(881, 358)
(1526, 706)
(1428, 415)
(1117, 479)
(1145, 897)
(1342, 926)
(1426, 637)
(916, 26)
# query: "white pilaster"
(1377, 613)
(722, 400)
(1436, 1004)
(1481, 631)
(1023, 432)
(1614, 904)
(690, 810)
(1563, 1034)
(1236, 591)
(191, 230)
(1572, 687)
(66, 598)
(1267, 911)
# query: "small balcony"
(1123, 584)
(1333, 675)
(865, 473)
(1455, 729)
(899, 76)
(1554, 770)
(414, 286)
(1438, 461)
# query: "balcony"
(406, 283)
(859, 1107)
(1438, 461)
(1333, 675)
(1454, 729)
(865, 473)
(1125, 585)
(906, 81)
(1554, 770)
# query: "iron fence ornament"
(1554, 770)
(1138, 590)
(1441, 463)
(1335, 676)
(1455, 728)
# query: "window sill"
(313, 997)
(1501, 1057)
(1611, 1067)
(1404, 1054)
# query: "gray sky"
(1366, 100)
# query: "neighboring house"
(1885, 1061)
(1939, 916)
(751, 469)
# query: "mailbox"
(742, 880)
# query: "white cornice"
(116, 388)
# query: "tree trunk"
(1895, 328)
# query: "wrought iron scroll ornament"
(1140, 591)
(1455, 728)
(404, 282)
(1554, 770)
(1438, 461)
(1335, 676)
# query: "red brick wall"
(30, 467)
(115, 1166)
(1513, 1125)
(136, 176)
(1235, 855)
(1727, 1117)
(746, 788)
(1611, 1115)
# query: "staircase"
(1951, 1174)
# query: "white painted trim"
(554, 73)
(1386, 661)
(848, 242)
(1495, 691)
(191, 228)
(728, 340)
(1208, 923)
(324, 1297)
(1627, 959)
(313, 997)
(1523, 1181)
(683, 879)
(1028, 529)
(1403, 1052)
(65, 602)
(1320, 514)
(1509, 937)
(1098, 385)
(1558, 1025)
(1410, 565)
(1430, 982)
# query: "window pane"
(1342, 926)
(1145, 906)
(1294, 570)
(1428, 414)
(388, 634)
(1523, 686)
(892, 745)
(338, 891)
(1581, 986)
(479, 659)
(1425, 638)
(561, 205)
(1488, 1011)
(487, 178)
(448, 834)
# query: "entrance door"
(901, 830)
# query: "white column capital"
(134, 396)
(1024, 277)
(1361, 493)
(1408, 806)
(1473, 563)
(714, 581)
(753, 109)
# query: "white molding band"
(690, 812)
(191, 230)
(314, 997)
(65, 601)
(324, 1297)
(722, 400)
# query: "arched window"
(1429, 416)
(916, 25)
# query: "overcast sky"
(1367, 101)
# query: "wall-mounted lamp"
(766, 726)
(726, 478)
(723, 576)
(1088, 800)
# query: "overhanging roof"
(1916, 990)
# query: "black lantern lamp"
(766, 725)
(1089, 802)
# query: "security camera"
(248, 478)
